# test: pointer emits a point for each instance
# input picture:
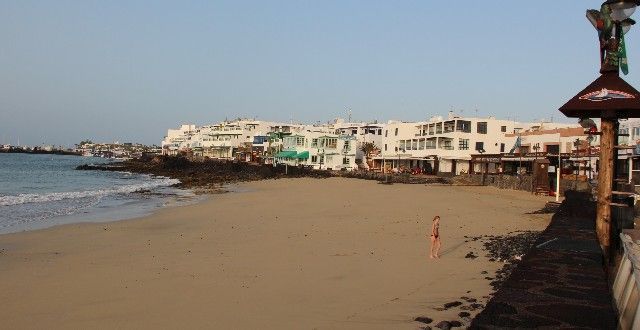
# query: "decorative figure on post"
(613, 53)
(609, 98)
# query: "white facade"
(178, 139)
(320, 151)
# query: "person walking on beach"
(435, 238)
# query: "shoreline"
(230, 267)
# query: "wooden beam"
(605, 182)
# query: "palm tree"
(368, 148)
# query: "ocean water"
(40, 191)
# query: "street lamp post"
(609, 97)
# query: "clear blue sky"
(128, 70)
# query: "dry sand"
(288, 254)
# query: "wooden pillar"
(605, 181)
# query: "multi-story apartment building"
(178, 139)
(225, 140)
(442, 145)
(319, 150)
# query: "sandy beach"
(281, 254)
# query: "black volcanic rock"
(423, 319)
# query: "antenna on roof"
(349, 114)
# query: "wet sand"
(282, 254)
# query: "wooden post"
(605, 181)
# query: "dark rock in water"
(444, 325)
(452, 304)
(484, 272)
(425, 328)
(470, 255)
(455, 324)
(464, 314)
(423, 319)
(472, 300)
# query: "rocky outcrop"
(207, 173)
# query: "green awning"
(286, 154)
(303, 155)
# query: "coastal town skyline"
(92, 70)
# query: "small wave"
(57, 196)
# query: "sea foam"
(57, 196)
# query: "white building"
(445, 146)
(442, 145)
(319, 150)
(178, 140)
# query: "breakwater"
(14, 150)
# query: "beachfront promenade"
(561, 282)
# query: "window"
(314, 159)
(396, 131)
(402, 145)
(354, 131)
(480, 146)
(553, 148)
(379, 132)
(330, 143)
(501, 147)
(300, 141)
(447, 145)
(449, 126)
(347, 145)
(385, 147)
(346, 161)
(463, 126)
(439, 128)
(482, 127)
(503, 128)
(421, 144)
(385, 132)
(314, 143)
(463, 144)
